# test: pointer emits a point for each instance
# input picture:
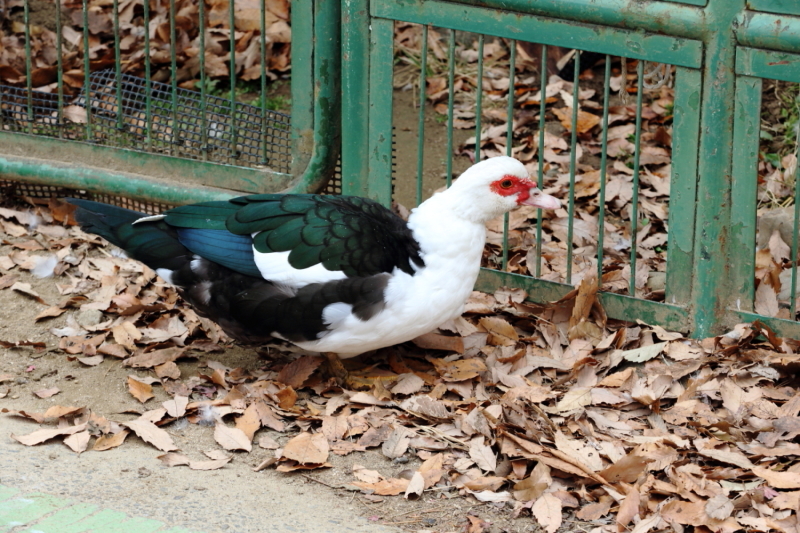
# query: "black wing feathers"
(154, 243)
(298, 317)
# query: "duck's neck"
(447, 231)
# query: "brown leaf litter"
(618, 425)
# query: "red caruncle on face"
(509, 185)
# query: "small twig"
(546, 418)
(366, 506)
(417, 511)
(319, 481)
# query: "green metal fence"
(718, 49)
(133, 131)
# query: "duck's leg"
(344, 378)
(336, 368)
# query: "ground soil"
(406, 122)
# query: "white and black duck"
(335, 274)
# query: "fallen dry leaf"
(152, 434)
(547, 511)
(307, 448)
(78, 442)
(483, 455)
(366, 476)
(779, 480)
(298, 371)
(43, 435)
(415, 487)
(176, 407)
(106, 442)
(140, 391)
(268, 443)
(233, 438)
(397, 443)
(214, 464)
(173, 459)
(459, 370)
(385, 487)
(47, 393)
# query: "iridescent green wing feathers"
(350, 234)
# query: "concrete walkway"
(50, 489)
(36, 512)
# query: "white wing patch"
(335, 314)
(153, 218)
(165, 273)
(275, 267)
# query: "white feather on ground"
(45, 266)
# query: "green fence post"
(355, 95)
(712, 251)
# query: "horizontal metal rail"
(687, 21)
(101, 180)
(765, 30)
(589, 37)
(780, 7)
(118, 161)
(768, 64)
(616, 305)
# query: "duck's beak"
(541, 200)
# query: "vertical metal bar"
(148, 97)
(28, 65)
(512, 77)
(203, 114)
(304, 96)
(380, 111)
(479, 100)
(512, 74)
(451, 76)
(744, 191)
(60, 68)
(87, 86)
(117, 64)
(263, 62)
(423, 73)
(355, 93)
(683, 187)
(793, 294)
(173, 45)
(573, 162)
(232, 22)
(636, 155)
(711, 292)
(540, 169)
(601, 217)
(316, 91)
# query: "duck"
(338, 275)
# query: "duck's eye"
(506, 184)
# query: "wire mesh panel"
(195, 81)
(612, 137)
(180, 123)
